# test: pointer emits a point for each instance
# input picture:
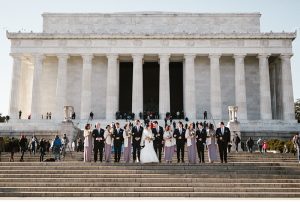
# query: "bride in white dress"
(148, 154)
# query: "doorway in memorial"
(151, 89)
(176, 88)
(125, 88)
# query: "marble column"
(86, 88)
(215, 87)
(189, 88)
(164, 85)
(287, 88)
(240, 86)
(112, 92)
(137, 84)
(37, 73)
(265, 93)
(61, 85)
(14, 107)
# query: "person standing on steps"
(260, 144)
(158, 133)
(108, 142)
(201, 140)
(223, 138)
(190, 136)
(250, 144)
(137, 132)
(127, 136)
(87, 133)
(23, 146)
(179, 134)
(211, 142)
(118, 141)
(237, 141)
(98, 135)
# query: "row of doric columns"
(112, 97)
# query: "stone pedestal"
(72, 132)
(234, 126)
(68, 111)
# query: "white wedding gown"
(148, 154)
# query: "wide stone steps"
(78, 179)
(232, 157)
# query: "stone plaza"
(157, 61)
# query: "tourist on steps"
(23, 146)
(296, 141)
(56, 146)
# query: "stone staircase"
(246, 175)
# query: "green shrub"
(278, 145)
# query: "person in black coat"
(118, 141)
(223, 138)
(23, 145)
(179, 135)
(158, 133)
(201, 140)
(98, 135)
(137, 132)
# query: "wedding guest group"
(148, 142)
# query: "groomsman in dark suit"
(179, 135)
(118, 141)
(137, 132)
(98, 135)
(201, 140)
(158, 133)
(223, 138)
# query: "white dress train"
(148, 154)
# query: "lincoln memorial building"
(153, 61)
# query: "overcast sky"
(25, 15)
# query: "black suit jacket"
(180, 137)
(223, 138)
(201, 136)
(137, 135)
(158, 135)
(97, 134)
(118, 137)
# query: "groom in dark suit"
(118, 141)
(179, 134)
(137, 132)
(158, 133)
(98, 135)
(223, 138)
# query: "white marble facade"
(226, 59)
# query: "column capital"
(87, 58)
(137, 56)
(239, 55)
(16, 55)
(62, 56)
(214, 55)
(112, 56)
(38, 57)
(164, 55)
(190, 55)
(263, 55)
(286, 56)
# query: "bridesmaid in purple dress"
(169, 149)
(190, 136)
(127, 143)
(87, 143)
(211, 143)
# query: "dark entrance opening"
(151, 89)
(125, 86)
(176, 88)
